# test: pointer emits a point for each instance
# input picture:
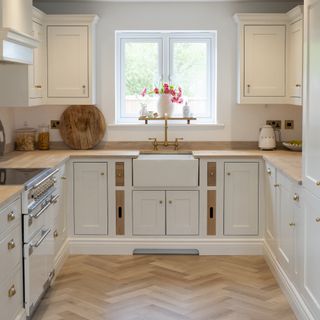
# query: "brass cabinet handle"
(228, 174)
(296, 197)
(276, 185)
(298, 85)
(11, 216)
(269, 171)
(55, 234)
(63, 178)
(12, 291)
(317, 219)
(170, 201)
(11, 244)
(160, 201)
(102, 173)
(292, 224)
(83, 86)
(318, 183)
(38, 86)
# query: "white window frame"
(166, 40)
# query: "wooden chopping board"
(82, 127)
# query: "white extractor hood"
(16, 42)
(16, 47)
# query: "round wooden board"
(82, 127)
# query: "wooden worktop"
(287, 162)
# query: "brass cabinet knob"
(102, 173)
(63, 178)
(276, 185)
(12, 291)
(11, 216)
(296, 197)
(11, 244)
(317, 219)
(292, 224)
(160, 201)
(298, 85)
(269, 171)
(228, 174)
(55, 234)
(318, 183)
(211, 173)
(83, 87)
(170, 202)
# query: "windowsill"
(182, 125)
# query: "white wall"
(240, 122)
(7, 118)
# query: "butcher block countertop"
(287, 162)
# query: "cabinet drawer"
(10, 252)
(10, 216)
(11, 295)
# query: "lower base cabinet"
(311, 285)
(165, 213)
(241, 199)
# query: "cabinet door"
(311, 118)
(295, 59)
(149, 213)
(182, 212)
(270, 205)
(312, 253)
(264, 59)
(90, 198)
(36, 70)
(67, 61)
(241, 199)
(285, 215)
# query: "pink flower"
(166, 85)
(173, 92)
(143, 92)
(166, 90)
(156, 90)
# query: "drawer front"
(11, 295)
(10, 216)
(10, 252)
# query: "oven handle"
(36, 216)
(44, 179)
(37, 244)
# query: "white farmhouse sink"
(165, 170)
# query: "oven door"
(36, 259)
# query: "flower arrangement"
(165, 88)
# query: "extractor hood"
(16, 47)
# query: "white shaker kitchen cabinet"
(182, 212)
(90, 198)
(241, 199)
(22, 85)
(295, 61)
(286, 223)
(70, 59)
(311, 110)
(270, 205)
(311, 290)
(149, 212)
(264, 59)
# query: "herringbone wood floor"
(166, 288)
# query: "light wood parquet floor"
(165, 288)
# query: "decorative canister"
(25, 139)
(44, 138)
(165, 105)
(186, 110)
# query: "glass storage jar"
(44, 138)
(25, 139)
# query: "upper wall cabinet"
(70, 59)
(21, 85)
(267, 58)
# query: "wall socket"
(55, 124)
(276, 124)
(289, 124)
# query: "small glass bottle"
(43, 138)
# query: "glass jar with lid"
(44, 138)
(25, 139)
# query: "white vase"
(165, 105)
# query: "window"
(146, 59)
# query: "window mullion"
(166, 58)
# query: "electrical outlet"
(289, 124)
(276, 124)
(55, 124)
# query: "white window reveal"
(149, 59)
